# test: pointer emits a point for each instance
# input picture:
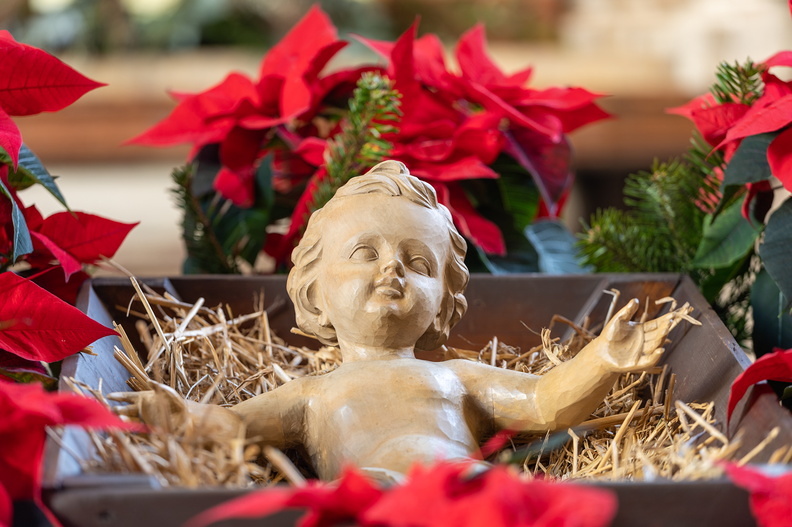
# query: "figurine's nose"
(395, 266)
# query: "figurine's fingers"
(660, 327)
(617, 327)
(129, 397)
(647, 361)
(626, 313)
(130, 410)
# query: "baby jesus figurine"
(380, 273)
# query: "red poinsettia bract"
(770, 497)
(725, 125)
(444, 494)
(239, 113)
(26, 411)
(453, 127)
(74, 238)
(776, 366)
(33, 81)
(39, 326)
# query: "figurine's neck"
(355, 352)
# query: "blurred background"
(647, 55)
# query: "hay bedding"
(214, 356)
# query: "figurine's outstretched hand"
(164, 408)
(626, 345)
(161, 406)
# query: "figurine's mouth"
(389, 287)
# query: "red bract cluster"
(725, 125)
(25, 411)
(454, 125)
(770, 497)
(33, 81)
(775, 366)
(37, 322)
(444, 494)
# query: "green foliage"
(219, 236)
(726, 239)
(555, 247)
(738, 83)
(373, 109)
(663, 227)
(774, 248)
(21, 243)
(30, 171)
(679, 220)
(670, 227)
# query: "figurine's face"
(381, 279)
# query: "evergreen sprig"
(663, 227)
(737, 83)
(373, 110)
(204, 249)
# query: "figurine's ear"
(312, 302)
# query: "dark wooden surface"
(705, 359)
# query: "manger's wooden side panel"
(96, 370)
(647, 288)
(138, 506)
(680, 504)
(706, 361)
(515, 308)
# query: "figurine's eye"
(420, 265)
(364, 253)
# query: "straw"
(210, 355)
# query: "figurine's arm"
(272, 418)
(567, 394)
(275, 417)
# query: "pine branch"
(608, 243)
(205, 252)
(372, 110)
(737, 83)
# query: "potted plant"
(265, 150)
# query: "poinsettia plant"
(495, 150)
(42, 264)
(723, 213)
(37, 322)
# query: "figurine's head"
(380, 265)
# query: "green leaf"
(29, 376)
(30, 171)
(776, 250)
(265, 194)
(556, 247)
(21, 244)
(787, 393)
(772, 324)
(521, 257)
(520, 197)
(711, 281)
(749, 163)
(725, 240)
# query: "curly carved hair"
(392, 179)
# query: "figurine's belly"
(388, 419)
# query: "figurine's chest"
(405, 380)
(403, 395)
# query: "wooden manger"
(701, 363)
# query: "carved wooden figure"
(379, 273)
